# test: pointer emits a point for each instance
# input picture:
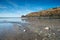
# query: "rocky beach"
(30, 29)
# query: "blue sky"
(16, 8)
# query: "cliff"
(53, 12)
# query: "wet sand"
(34, 29)
(14, 31)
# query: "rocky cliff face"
(53, 12)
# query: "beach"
(30, 29)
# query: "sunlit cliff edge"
(50, 13)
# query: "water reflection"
(30, 29)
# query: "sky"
(16, 8)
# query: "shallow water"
(29, 29)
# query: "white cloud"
(2, 7)
(23, 11)
(10, 15)
(12, 3)
(38, 8)
(41, 8)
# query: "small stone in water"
(53, 33)
(24, 30)
(35, 39)
(46, 28)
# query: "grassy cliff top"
(49, 12)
